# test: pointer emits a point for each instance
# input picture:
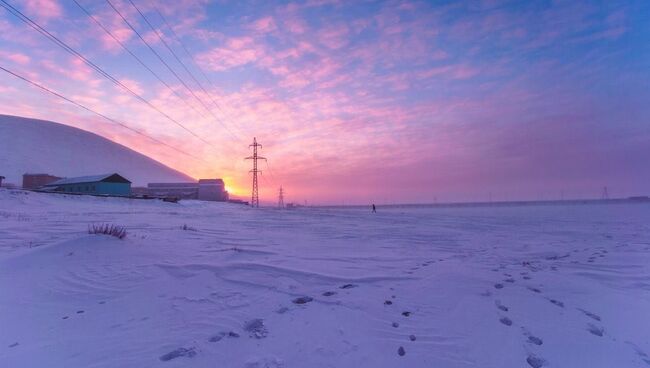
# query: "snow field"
(536, 286)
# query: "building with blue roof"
(107, 184)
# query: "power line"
(25, 19)
(191, 57)
(136, 57)
(270, 171)
(164, 62)
(37, 85)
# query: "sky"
(354, 102)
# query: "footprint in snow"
(498, 286)
(501, 306)
(535, 290)
(217, 337)
(639, 352)
(348, 286)
(401, 351)
(180, 352)
(388, 302)
(329, 293)
(412, 337)
(303, 300)
(221, 335)
(506, 321)
(531, 338)
(13, 345)
(510, 280)
(557, 302)
(256, 328)
(598, 331)
(395, 324)
(589, 314)
(79, 311)
(535, 361)
(406, 314)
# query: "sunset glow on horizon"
(356, 102)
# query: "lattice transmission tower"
(605, 194)
(255, 196)
(281, 198)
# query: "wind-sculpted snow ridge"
(545, 286)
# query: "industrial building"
(169, 190)
(212, 190)
(36, 181)
(108, 184)
(204, 190)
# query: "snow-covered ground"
(552, 286)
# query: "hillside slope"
(38, 146)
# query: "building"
(212, 190)
(176, 190)
(204, 190)
(36, 181)
(1, 178)
(108, 184)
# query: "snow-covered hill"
(38, 146)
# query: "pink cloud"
(132, 85)
(450, 71)
(263, 25)
(237, 51)
(335, 36)
(122, 34)
(295, 24)
(44, 9)
(16, 57)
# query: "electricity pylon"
(281, 198)
(255, 197)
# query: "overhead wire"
(196, 65)
(27, 20)
(142, 63)
(124, 125)
(162, 60)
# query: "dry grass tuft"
(107, 229)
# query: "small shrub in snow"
(106, 229)
(189, 228)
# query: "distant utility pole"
(605, 194)
(281, 198)
(255, 197)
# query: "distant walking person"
(374, 209)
